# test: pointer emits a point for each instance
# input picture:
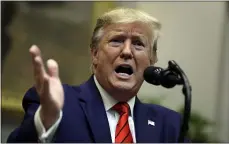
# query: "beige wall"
(222, 130)
(192, 36)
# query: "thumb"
(53, 69)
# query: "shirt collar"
(109, 101)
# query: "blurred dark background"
(63, 36)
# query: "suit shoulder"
(75, 88)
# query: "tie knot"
(121, 107)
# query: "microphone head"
(152, 75)
(158, 76)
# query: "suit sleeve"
(26, 132)
(30, 130)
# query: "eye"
(138, 44)
(116, 42)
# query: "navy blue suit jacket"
(84, 119)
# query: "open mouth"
(124, 69)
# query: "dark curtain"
(8, 10)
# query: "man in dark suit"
(105, 108)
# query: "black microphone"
(164, 77)
(168, 78)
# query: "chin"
(123, 86)
(124, 91)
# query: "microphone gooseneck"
(168, 78)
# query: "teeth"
(123, 74)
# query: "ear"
(94, 55)
(153, 58)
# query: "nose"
(126, 51)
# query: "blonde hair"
(124, 15)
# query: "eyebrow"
(118, 32)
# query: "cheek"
(111, 53)
(142, 60)
(106, 57)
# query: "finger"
(39, 71)
(41, 77)
(53, 69)
(36, 59)
(34, 51)
(44, 91)
(45, 87)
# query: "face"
(121, 57)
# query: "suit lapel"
(94, 110)
(144, 118)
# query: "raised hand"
(48, 86)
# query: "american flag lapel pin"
(151, 123)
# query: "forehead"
(133, 29)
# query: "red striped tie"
(123, 133)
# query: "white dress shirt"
(113, 117)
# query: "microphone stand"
(186, 90)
